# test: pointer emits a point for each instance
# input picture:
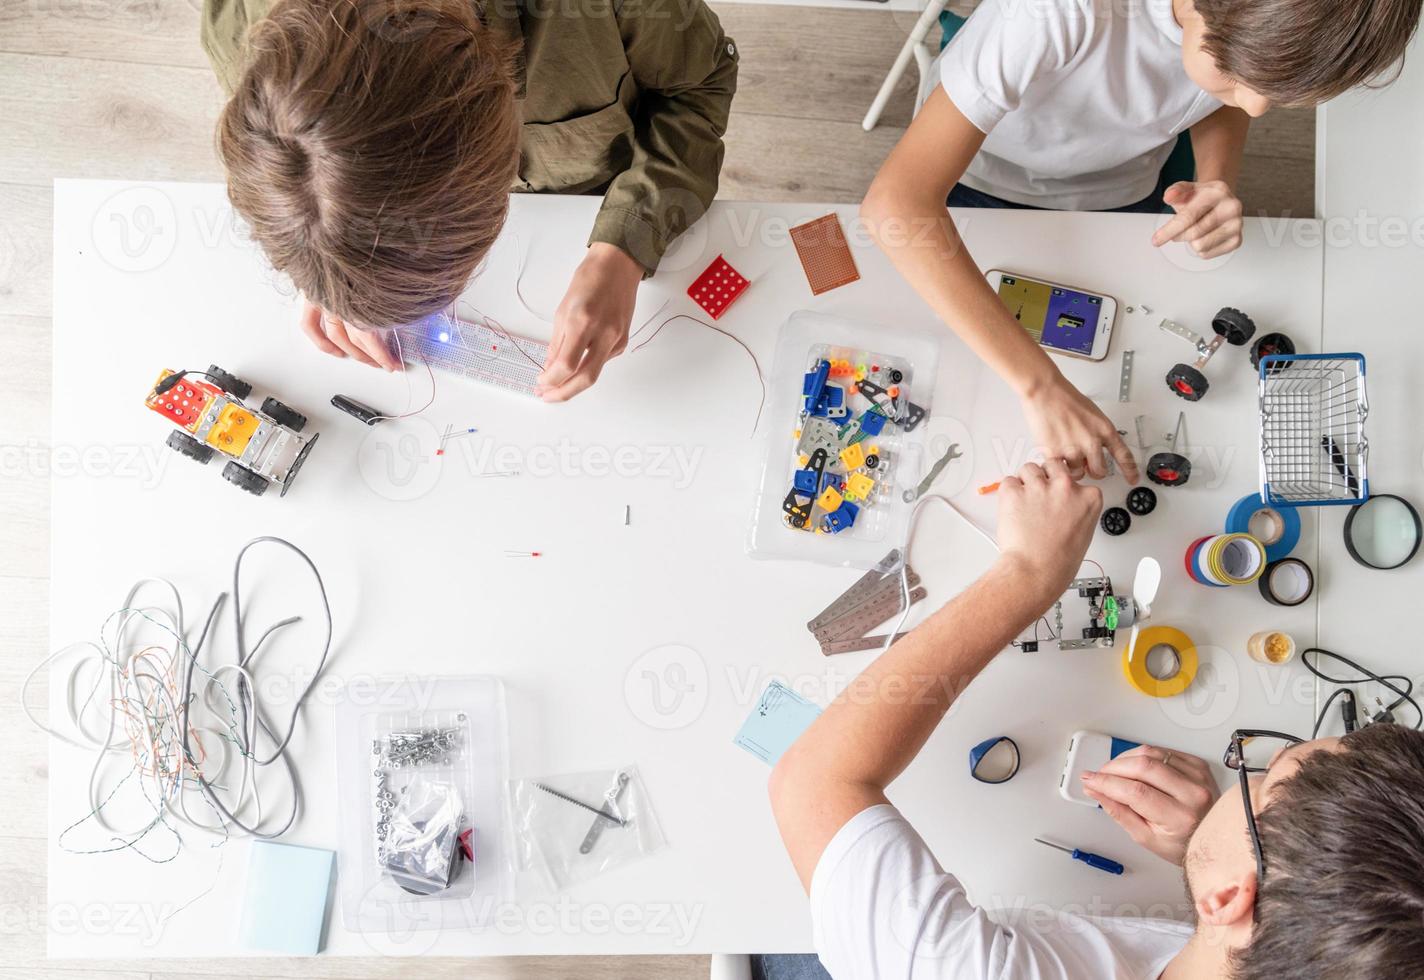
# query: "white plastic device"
(1088, 752)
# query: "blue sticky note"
(288, 888)
(781, 715)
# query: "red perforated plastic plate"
(718, 285)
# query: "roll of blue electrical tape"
(1277, 529)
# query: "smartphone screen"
(1057, 317)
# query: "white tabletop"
(418, 583)
(1370, 155)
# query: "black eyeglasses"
(1263, 748)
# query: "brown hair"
(1343, 839)
(1302, 52)
(372, 145)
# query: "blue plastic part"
(841, 518)
(805, 482)
(814, 383)
(872, 422)
(828, 480)
(832, 396)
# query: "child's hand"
(1208, 218)
(1046, 522)
(334, 336)
(1068, 426)
(591, 324)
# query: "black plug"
(1347, 711)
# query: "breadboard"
(825, 256)
(475, 351)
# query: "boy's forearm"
(867, 737)
(921, 239)
(905, 213)
(1218, 143)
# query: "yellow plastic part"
(853, 456)
(233, 430)
(830, 500)
(859, 485)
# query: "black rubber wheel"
(283, 415)
(1234, 325)
(239, 475)
(1141, 501)
(1169, 469)
(896, 376)
(872, 461)
(186, 445)
(1115, 521)
(1271, 343)
(235, 387)
(1187, 382)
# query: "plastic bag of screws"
(422, 768)
(409, 747)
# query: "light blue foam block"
(288, 889)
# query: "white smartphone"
(1088, 752)
(1062, 319)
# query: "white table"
(1369, 157)
(419, 584)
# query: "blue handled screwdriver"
(1087, 857)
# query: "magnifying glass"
(1383, 532)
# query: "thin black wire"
(1385, 680)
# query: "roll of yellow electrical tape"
(1134, 662)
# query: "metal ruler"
(854, 631)
(878, 596)
(475, 351)
(863, 643)
(863, 586)
(885, 602)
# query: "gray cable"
(246, 700)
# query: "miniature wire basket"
(1313, 445)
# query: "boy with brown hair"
(1309, 867)
(372, 146)
(1078, 105)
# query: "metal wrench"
(910, 496)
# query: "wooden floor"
(119, 89)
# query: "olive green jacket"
(626, 97)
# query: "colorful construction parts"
(717, 287)
(859, 486)
(819, 397)
(840, 519)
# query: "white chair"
(731, 966)
(918, 47)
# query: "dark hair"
(1302, 52)
(1343, 838)
(372, 145)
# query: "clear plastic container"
(421, 774)
(840, 445)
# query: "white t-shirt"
(1081, 100)
(883, 909)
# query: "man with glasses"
(1310, 866)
